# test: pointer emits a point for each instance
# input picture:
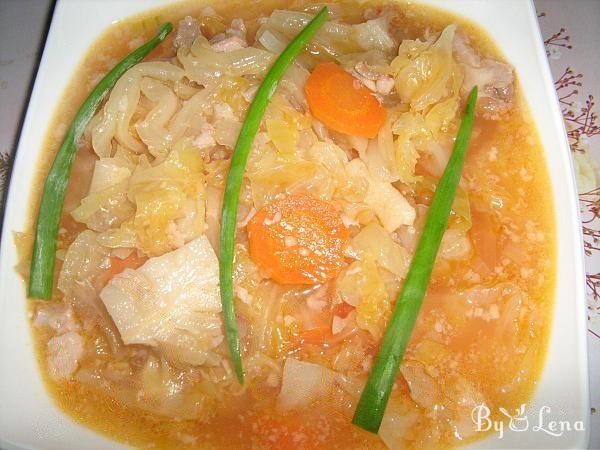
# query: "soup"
(133, 345)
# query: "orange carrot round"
(299, 239)
(342, 102)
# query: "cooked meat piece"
(63, 354)
(57, 316)
(187, 32)
(206, 138)
(495, 79)
(233, 39)
(228, 44)
(377, 82)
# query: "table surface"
(570, 34)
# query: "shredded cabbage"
(374, 35)
(204, 65)
(84, 262)
(361, 285)
(283, 135)
(426, 72)
(399, 418)
(106, 205)
(390, 206)
(169, 199)
(307, 384)
(374, 243)
(333, 41)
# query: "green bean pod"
(375, 395)
(236, 173)
(55, 187)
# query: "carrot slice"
(118, 265)
(342, 309)
(316, 336)
(342, 102)
(299, 239)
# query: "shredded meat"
(234, 38)
(222, 111)
(187, 32)
(58, 316)
(174, 235)
(495, 79)
(206, 138)
(65, 349)
(228, 44)
(377, 82)
(237, 28)
(63, 353)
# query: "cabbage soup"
(333, 199)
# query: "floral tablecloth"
(570, 31)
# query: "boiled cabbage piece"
(361, 285)
(204, 65)
(106, 205)
(83, 264)
(426, 72)
(334, 39)
(171, 302)
(495, 80)
(390, 206)
(169, 200)
(310, 385)
(305, 384)
(373, 242)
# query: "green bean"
(236, 174)
(55, 187)
(374, 398)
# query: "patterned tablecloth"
(570, 31)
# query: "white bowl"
(29, 419)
